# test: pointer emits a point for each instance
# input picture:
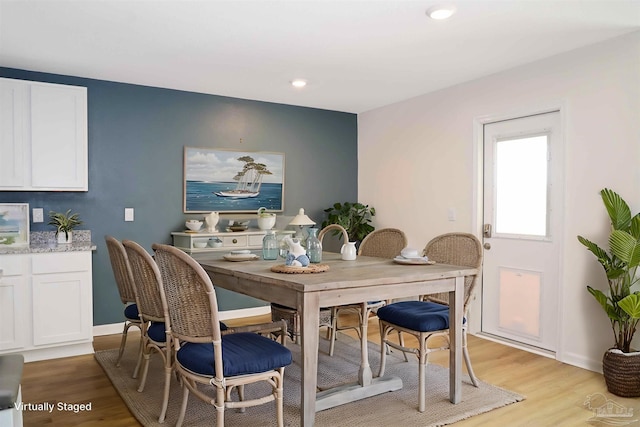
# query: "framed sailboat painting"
(232, 181)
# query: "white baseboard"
(514, 344)
(116, 328)
(57, 352)
(583, 362)
(569, 358)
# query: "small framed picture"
(14, 224)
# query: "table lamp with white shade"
(301, 220)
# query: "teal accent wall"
(136, 139)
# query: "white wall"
(416, 159)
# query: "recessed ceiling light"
(441, 12)
(298, 83)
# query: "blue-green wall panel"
(136, 139)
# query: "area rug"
(393, 408)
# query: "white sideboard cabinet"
(229, 240)
(43, 136)
(46, 307)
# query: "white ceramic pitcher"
(211, 220)
(348, 251)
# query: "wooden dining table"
(345, 282)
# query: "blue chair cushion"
(242, 353)
(416, 315)
(223, 327)
(131, 312)
(157, 332)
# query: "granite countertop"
(46, 242)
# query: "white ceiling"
(356, 55)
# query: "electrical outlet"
(128, 214)
(38, 215)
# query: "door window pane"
(521, 186)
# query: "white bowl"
(200, 244)
(410, 253)
(193, 225)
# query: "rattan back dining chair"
(121, 274)
(429, 318)
(455, 249)
(148, 283)
(381, 243)
(204, 357)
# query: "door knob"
(487, 246)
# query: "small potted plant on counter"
(64, 223)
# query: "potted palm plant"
(621, 364)
(64, 223)
(355, 218)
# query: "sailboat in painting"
(249, 180)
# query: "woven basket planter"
(622, 373)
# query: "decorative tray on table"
(289, 269)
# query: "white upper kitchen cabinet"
(43, 136)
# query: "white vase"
(211, 220)
(62, 238)
(348, 251)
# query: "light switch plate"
(38, 215)
(452, 214)
(128, 214)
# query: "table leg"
(456, 312)
(366, 386)
(309, 310)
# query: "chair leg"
(185, 400)
(401, 341)
(467, 360)
(165, 398)
(145, 369)
(334, 328)
(219, 405)
(422, 375)
(421, 385)
(139, 362)
(140, 351)
(384, 349)
(279, 399)
(241, 397)
(123, 341)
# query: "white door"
(522, 217)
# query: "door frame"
(477, 214)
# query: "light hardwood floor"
(555, 392)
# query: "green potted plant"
(355, 218)
(64, 223)
(621, 364)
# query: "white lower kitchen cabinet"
(52, 313)
(13, 292)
